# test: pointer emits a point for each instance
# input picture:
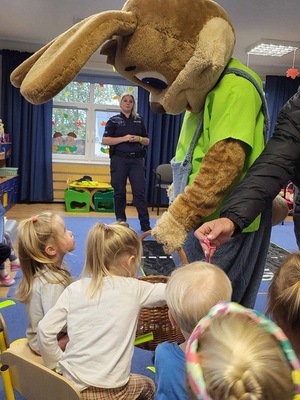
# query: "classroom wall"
(63, 171)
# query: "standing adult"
(278, 163)
(127, 137)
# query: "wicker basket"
(156, 319)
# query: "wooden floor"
(21, 211)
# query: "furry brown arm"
(221, 166)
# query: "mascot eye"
(128, 69)
(155, 83)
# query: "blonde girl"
(284, 299)
(101, 310)
(42, 242)
(236, 353)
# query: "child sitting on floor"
(13, 258)
(102, 310)
(236, 353)
(284, 299)
(42, 242)
(5, 253)
(191, 291)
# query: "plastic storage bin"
(8, 171)
(6, 148)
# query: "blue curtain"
(163, 130)
(30, 130)
(278, 90)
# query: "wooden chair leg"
(154, 194)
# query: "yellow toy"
(181, 52)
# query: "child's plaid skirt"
(139, 387)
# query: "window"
(79, 116)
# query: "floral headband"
(194, 370)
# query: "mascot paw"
(170, 191)
(169, 233)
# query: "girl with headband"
(236, 353)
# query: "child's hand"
(62, 339)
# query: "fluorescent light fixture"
(272, 47)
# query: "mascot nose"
(157, 107)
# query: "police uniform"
(128, 161)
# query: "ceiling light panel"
(273, 48)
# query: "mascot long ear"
(19, 73)
(48, 71)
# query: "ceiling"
(29, 24)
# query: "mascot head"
(175, 49)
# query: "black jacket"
(278, 163)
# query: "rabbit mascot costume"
(181, 52)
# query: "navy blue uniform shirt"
(119, 125)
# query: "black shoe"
(123, 222)
(146, 228)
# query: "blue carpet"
(283, 236)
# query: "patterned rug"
(156, 262)
(275, 257)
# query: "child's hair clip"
(105, 226)
(34, 218)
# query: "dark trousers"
(4, 254)
(134, 169)
(243, 258)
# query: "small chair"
(104, 201)
(32, 380)
(163, 179)
(77, 201)
(21, 345)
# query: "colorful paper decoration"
(292, 73)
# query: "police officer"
(127, 137)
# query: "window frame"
(91, 108)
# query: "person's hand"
(135, 138)
(63, 340)
(217, 232)
(127, 138)
(131, 138)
